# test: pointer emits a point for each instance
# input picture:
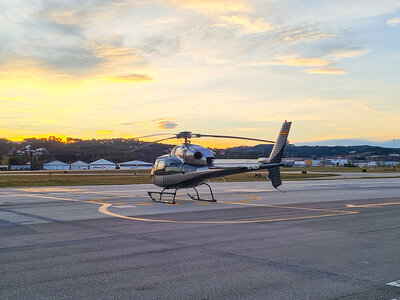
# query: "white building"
(236, 162)
(20, 167)
(340, 161)
(79, 165)
(135, 165)
(102, 164)
(299, 163)
(56, 165)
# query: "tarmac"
(320, 239)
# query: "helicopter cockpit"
(167, 164)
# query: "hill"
(38, 151)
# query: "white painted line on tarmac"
(123, 206)
(394, 283)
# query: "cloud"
(112, 51)
(66, 17)
(347, 53)
(105, 131)
(130, 78)
(324, 64)
(395, 22)
(250, 25)
(213, 6)
(326, 70)
(161, 123)
(165, 124)
(303, 32)
(295, 61)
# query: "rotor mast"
(187, 135)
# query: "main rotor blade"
(232, 137)
(155, 142)
(150, 135)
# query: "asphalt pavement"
(336, 239)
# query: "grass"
(251, 177)
(66, 180)
(345, 169)
(116, 178)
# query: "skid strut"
(197, 198)
(160, 194)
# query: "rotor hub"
(185, 135)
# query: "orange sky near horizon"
(126, 68)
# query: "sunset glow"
(108, 69)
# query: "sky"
(107, 69)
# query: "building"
(102, 164)
(299, 163)
(79, 165)
(3, 167)
(135, 165)
(20, 167)
(56, 165)
(236, 162)
(340, 161)
(390, 163)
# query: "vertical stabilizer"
(280, 144)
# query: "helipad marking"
(251, 198)
(372, 204)
(104, 209)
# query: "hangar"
(20, 167)
(102, 164)
(79, 165)
(56, 165)
(135, 165)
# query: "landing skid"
(160, 195)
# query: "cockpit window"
(167, 165)
(161, 164)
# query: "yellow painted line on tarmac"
(104, 209)
(251, 198)
(143, 203)
(292, 207)
(53, 198)
(373, 204)
(202, 203)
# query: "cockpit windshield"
(167, 165)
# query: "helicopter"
(189, 165)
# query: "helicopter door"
(159, 171)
